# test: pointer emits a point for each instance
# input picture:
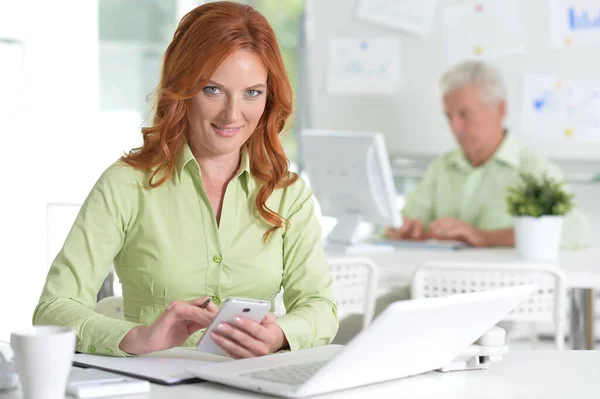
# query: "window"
(284, 16)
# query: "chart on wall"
(412, 16)
(574, 22)
(483, 29)
(369, 66)
(560, 109)
(12, 70)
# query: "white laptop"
(408, 338)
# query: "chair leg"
(559, 336)
(533, 335)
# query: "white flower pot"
(538, 238)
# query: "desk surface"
(581, 268)
(520, 374)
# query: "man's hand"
(454, 229)
(412, 229)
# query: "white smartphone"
(93, 383)
(253, 309)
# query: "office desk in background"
(520, 374)
(581, 268)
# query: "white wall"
(42, 143)
(75, 123)
(413, 120)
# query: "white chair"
(547, 304)
(354, 284)
(111, 306)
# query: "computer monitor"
(351, 178)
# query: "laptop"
(408, 338)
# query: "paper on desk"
(168, 367)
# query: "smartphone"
(253, 309)
(93, 383)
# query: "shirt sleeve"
(311, 318)
(69, 295)
(420, 202)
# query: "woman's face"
(226, 111)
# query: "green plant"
(537, 197)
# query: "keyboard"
(423, 244)
(294, 374)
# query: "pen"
(205, 304)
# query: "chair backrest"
(355, 284)
(111, 306)
(547, 304)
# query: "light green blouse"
(452, 187)
(165, 245)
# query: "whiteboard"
(412, 119)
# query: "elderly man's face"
(475, 124)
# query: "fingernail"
(223, 327)
(215, 336)
(239, 321)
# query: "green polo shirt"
(452, 187)
(165, 245)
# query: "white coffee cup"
(43, 359)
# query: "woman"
(205, 209)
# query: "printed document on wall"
(560, 109)
(363, 66)
(574, 22)
(483, 29)
(11, 76)
(413, 16)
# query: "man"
(463, 194)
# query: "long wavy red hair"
(205, 37)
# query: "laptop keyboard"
(295, 374)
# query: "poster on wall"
(412, 16)
(368, 66)
(485, 29)
(560, 109)
(12, 69)
(574, 22)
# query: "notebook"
(445, 245)
(165, 367)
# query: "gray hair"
(480, 74)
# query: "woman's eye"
(211, 90)
(253, 93)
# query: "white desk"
(581, 268)
(521, 374)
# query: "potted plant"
(539, 206)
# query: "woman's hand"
(172, 328)
(247, 338)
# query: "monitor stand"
(345, 238)
(346, 231)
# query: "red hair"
(205, 37)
